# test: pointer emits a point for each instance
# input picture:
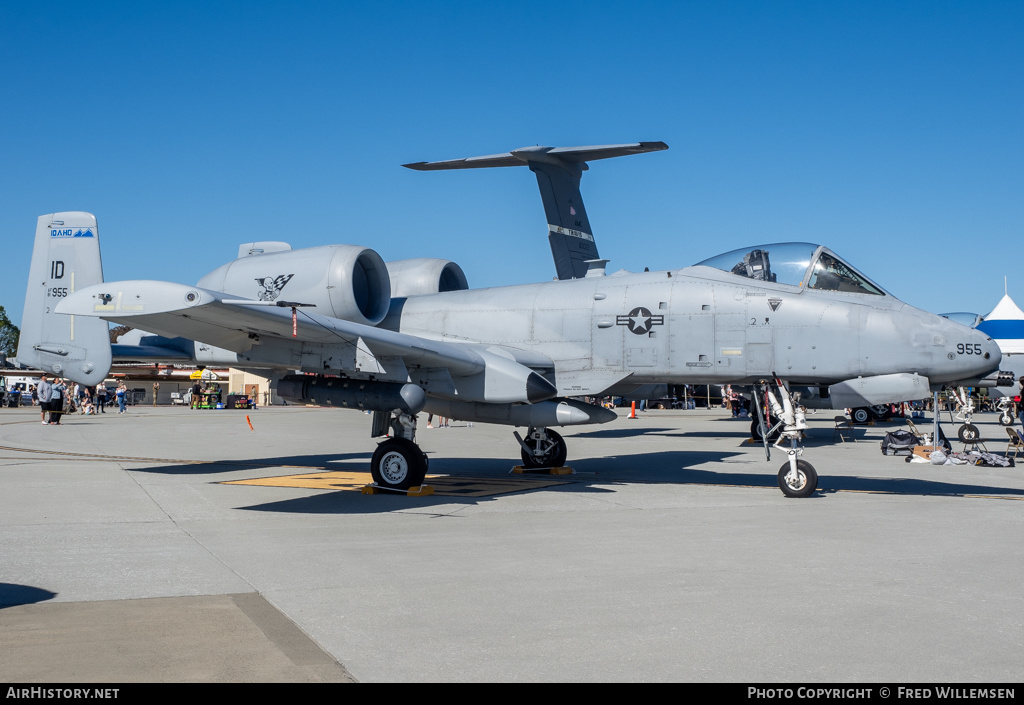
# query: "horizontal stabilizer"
(522, 157)
(148, 353)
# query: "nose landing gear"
(797, 477)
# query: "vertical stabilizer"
(65, 257)
(558, 171)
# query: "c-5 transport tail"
(558, 171)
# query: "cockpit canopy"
(971, 320)
(801, 264)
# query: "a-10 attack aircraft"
(574, 249)
(403, 337)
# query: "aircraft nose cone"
(973, 354)
(992, 352)
(990, 356)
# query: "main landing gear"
(542, 448)
(797, 477)
(1005, 413)
(398, 463)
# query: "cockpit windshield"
(796, 264)
(971, 320)
(832, 274)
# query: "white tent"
(1005, 325)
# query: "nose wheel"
(800, 481)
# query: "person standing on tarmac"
(1020, 404)
(43, 390)
(58, 395)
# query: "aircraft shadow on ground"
(593, 476)
(12, 595)
(601, 475)
(815, 438)
(297, 464)
(912, 486)
(620, 432)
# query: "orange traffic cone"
(632, 411)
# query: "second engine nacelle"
(343, 281)
(425, 275)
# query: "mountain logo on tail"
(71, 232)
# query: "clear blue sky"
(892, 132)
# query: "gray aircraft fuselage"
(700, 324)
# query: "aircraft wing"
(237, 324)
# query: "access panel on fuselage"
(690, 325)
(643, 323)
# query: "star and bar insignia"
(640, 320)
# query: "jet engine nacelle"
(343, 281)
(425, 275)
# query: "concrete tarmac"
(131, 552)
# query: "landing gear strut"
(968, 432)
(542, 448)
(1005, 416)
(398, 463)
(797, 478)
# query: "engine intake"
(425, 275)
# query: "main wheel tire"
(398, 464)
(968, 433)
(805, 484)
(1006, 420)
(755, 432)
(553, 458)
(861, 415)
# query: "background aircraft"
(518, 355)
